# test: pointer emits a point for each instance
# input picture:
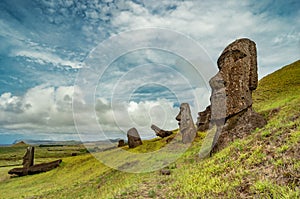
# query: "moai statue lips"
(186, 124)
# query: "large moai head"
(186, 123)
(232, 86)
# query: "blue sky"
(44, 44)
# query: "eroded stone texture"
(28, 159)
(35, 169)
(237, 78)
(28, 165)
(186, 124)
(203, 119)
(160, 132)
(231, 98)
(134, 138)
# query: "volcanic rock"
(186, 124)
(134, 138)
(203, 119)
(231, 98)
(160, 132)
(121, 143)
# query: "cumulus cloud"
(119, 117)
(45, 109)
(46, 46)
(40, 107)
(215, 24)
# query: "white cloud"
(215, 24)
(39, 107)
(45, 109)
(125, 115)
(46, 58)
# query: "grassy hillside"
(278, 88)
(266, 164)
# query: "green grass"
(278, 88)
(264, 164)
(13, 155)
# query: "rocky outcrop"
(134, 138)
(160, 132)
(186, 124)
(231, 98)
(203, 119)
(121, 143)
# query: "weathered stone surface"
(237, 77)
(121, 143)
(28, 159)
(231, 98)
(35, 169)
(238, 126)
(203, 119)
(160, 132)
(186, 124)
(28, 165)
(134, 138)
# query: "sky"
(47, 48)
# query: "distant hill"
(19, 143)
(65, 143)
(47, 142)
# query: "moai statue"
(121, 143)
(231, 98)
(28, 159)
(186, 123)
(160, 132)
(134, 138)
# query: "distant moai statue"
(28, 159)
(186, 123)
(121, 143)
(160, 132)
(134, 138)
(28, 165)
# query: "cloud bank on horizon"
(44, 44)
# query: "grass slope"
(265, 164)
